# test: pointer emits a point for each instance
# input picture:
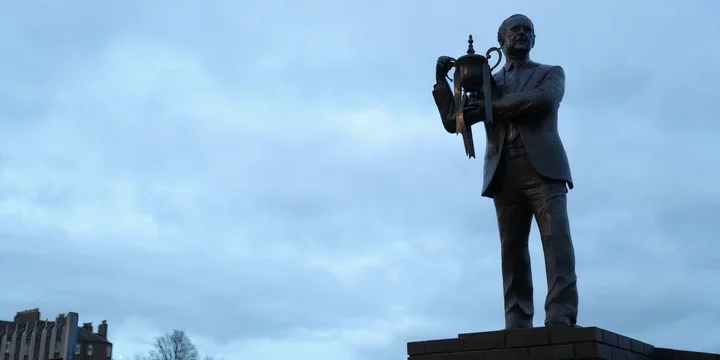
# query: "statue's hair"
(501, 29)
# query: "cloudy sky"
(273, 177)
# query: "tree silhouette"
(174, 345)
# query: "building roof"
(11, 324)
(82, 334)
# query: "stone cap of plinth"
(546, 343)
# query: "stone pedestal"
(556, 343)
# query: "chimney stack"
(69, 336)
(88, 326)
(27, 315)
(102, 329)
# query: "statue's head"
(516, 36)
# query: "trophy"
(473, 80)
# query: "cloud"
(273, 178)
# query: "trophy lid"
(470, 53)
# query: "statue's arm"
(445, 102)
(541, 99)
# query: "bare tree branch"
(174, 345)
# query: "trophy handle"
(487, 55)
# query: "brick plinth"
(555, 343)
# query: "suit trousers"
(519, 194)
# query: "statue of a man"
(526, 172)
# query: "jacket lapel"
(511, 84)
(525, 78)
(533, 77)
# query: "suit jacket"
(533, 106)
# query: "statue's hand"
(444, 64)
(474, 111)
(474, 106)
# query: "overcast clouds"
(273, 176)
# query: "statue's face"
(519, 35)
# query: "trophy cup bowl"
(470, 74)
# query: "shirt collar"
(519, 64)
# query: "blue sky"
(273, 177)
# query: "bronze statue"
(526, 170)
